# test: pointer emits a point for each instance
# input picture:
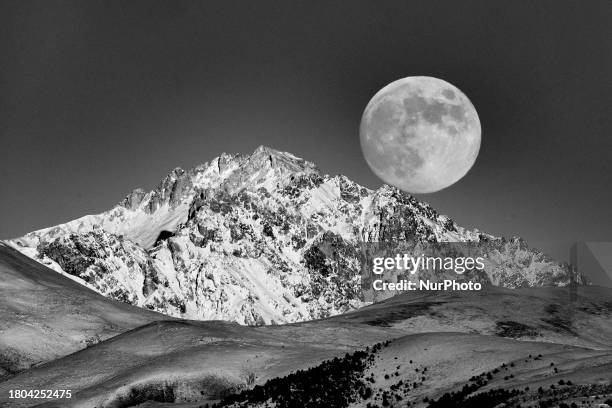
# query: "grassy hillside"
(452, 336)
(45, 315)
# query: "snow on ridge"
(237, 238)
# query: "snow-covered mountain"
(239, 238)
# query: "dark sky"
(100, 97)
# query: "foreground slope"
(45, 315)
(443, 370)
(199, 362)
(243, 237)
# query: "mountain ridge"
(238, 238)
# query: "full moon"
(420, 134)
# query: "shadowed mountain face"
(45, 315)
(438, 342)
(238, 239)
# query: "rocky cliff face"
(260, 238)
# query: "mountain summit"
(238, 238)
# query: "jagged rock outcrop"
(260, 238)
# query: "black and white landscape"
(321, 144)
(212, 289)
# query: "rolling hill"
(455, 336)
(45, 315)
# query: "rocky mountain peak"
(265, 167)
(280, 160)
(238, 238)
(170, 191)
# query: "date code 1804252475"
(40, 394)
